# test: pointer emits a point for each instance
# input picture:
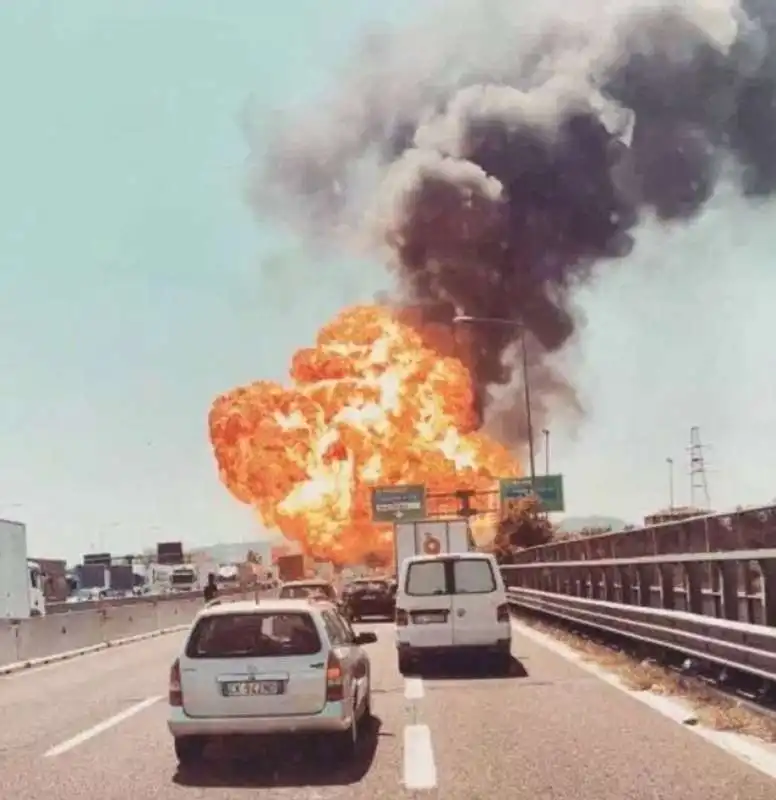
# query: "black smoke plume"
(502, 152)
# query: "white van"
(451, 602)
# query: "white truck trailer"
(21, 580)
(431, 537)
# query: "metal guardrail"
(747, 529)
(719, 606)
(736, 645)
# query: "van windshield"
(450, 576)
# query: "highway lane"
(549, 731)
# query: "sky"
(135, 285)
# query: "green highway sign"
(398, 503)
(548, 488)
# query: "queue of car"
(293, 664)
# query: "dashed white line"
(420, 770)
(103, 726)
(413, 688)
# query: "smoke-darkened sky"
(503, 157)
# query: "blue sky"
(135, 285)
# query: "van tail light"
(502, 613)
(335, 683)
(402, 617)
(176, 692)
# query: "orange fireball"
(372, 404)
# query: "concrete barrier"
(29, 640)
(8, 648)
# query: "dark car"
(372, 597)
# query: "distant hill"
(572, 524)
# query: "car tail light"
(176, 692)
(502, 613)
(402, 617)
(335, 685)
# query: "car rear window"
(370, 586)
(302, 590)
(450, 576)
(254, 635)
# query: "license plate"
(252, 688)
(425, 619)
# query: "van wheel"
(501, 660)
(189, 750)
(405, 664)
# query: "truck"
(431, 537)
(184, 578)
(291, 567)
(21, 580)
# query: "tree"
(522, 526)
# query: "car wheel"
(346, 743)
(189, 750)
(366, 716)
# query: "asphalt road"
(95, 726)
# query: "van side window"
(473, 576)
(427, 578)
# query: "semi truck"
(21, 580)
(431, 537)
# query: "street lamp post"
(670, 463)
(509, 323)
(546, 451)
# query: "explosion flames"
(371, 404)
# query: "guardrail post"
(768, 569)
(667, 586)
(729, 571)
(609, 576)
(626, 585)
(754, 593)
(694, 573)
(597, 590)
(645, 574)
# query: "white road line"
(420, 770)
(103, 726)
(413, 688)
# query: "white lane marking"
(413, 688)
(103, 726)
(420, 770)
(748, 749)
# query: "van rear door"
(478, 594)
(425, 596)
